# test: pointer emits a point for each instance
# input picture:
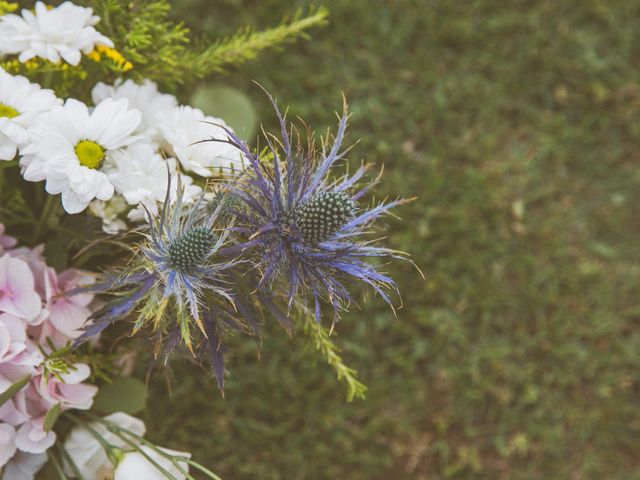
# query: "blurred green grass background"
(516, 124)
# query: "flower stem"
(58, 468)
(46, 80)
(175, 460)
(203, 469)
(8, 164)
(124, 433)
(67, 458)
(132, 444)
(48, 210)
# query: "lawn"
(517, 126)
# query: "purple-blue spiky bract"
(175, 281)
(303, 227)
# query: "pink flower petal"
(17, 289)
(7, 443)
(31, 437)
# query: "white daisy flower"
(70, 145)
(183, 126)
(20, 103)
(139, 174)
(191, 193)
(145, 97)
(60, 32)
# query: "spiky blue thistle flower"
(176, 282)
(303, 226)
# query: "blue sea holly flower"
(176, 283)
(304, 227)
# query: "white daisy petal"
(8, 148)
(20, 103)
(71, 56)
(183, 126)
(72, 203)
(144, 97)
(119, 122)
(34, 171)
(56, 185)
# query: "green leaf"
(124, 394)
(51, 417)
(230, 104)
(13, 389)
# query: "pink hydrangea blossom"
(36, 316)
(37, 264)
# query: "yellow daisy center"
(7, 111)
(89, 153)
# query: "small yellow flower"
(31, 64)
(10, 65)
(94, 55)
(7, 7)
(112, 54)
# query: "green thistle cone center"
(191, 249)
(323, 215)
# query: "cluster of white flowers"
(127, 459)
(114, 156)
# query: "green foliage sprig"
(319, 338)
(149, 45)
(61, 361)
(145, 36)
(247, 43)
(160, 50)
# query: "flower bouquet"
(127, 215)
